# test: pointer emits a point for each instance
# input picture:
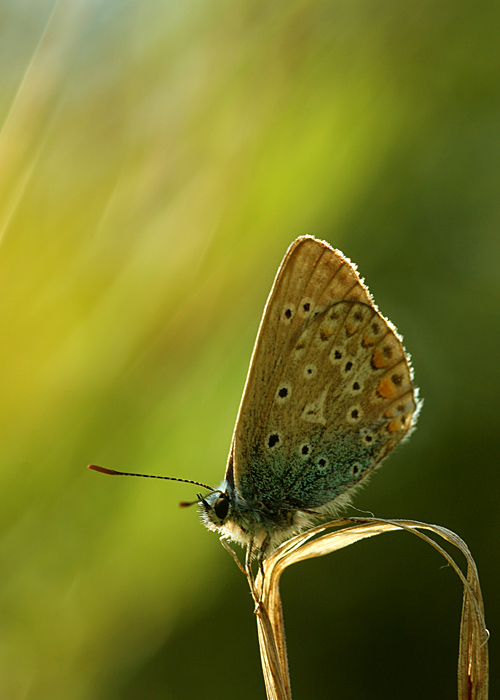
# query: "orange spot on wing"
(386, 389)
(394, 425)
(379, 360)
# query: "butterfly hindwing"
(329, 390)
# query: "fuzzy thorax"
(263, 525)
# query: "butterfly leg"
(231, 551)
(262, 554)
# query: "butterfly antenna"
(113, 472)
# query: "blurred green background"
(156, 160)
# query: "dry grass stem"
(321, 540)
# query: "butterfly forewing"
(329, 390)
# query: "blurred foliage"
(156, 159)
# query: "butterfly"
(329, 393)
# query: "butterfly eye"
(221, 507)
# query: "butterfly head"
(215, 508)
(225, 512)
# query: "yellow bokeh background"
(156, 160)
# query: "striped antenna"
(113, 472)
